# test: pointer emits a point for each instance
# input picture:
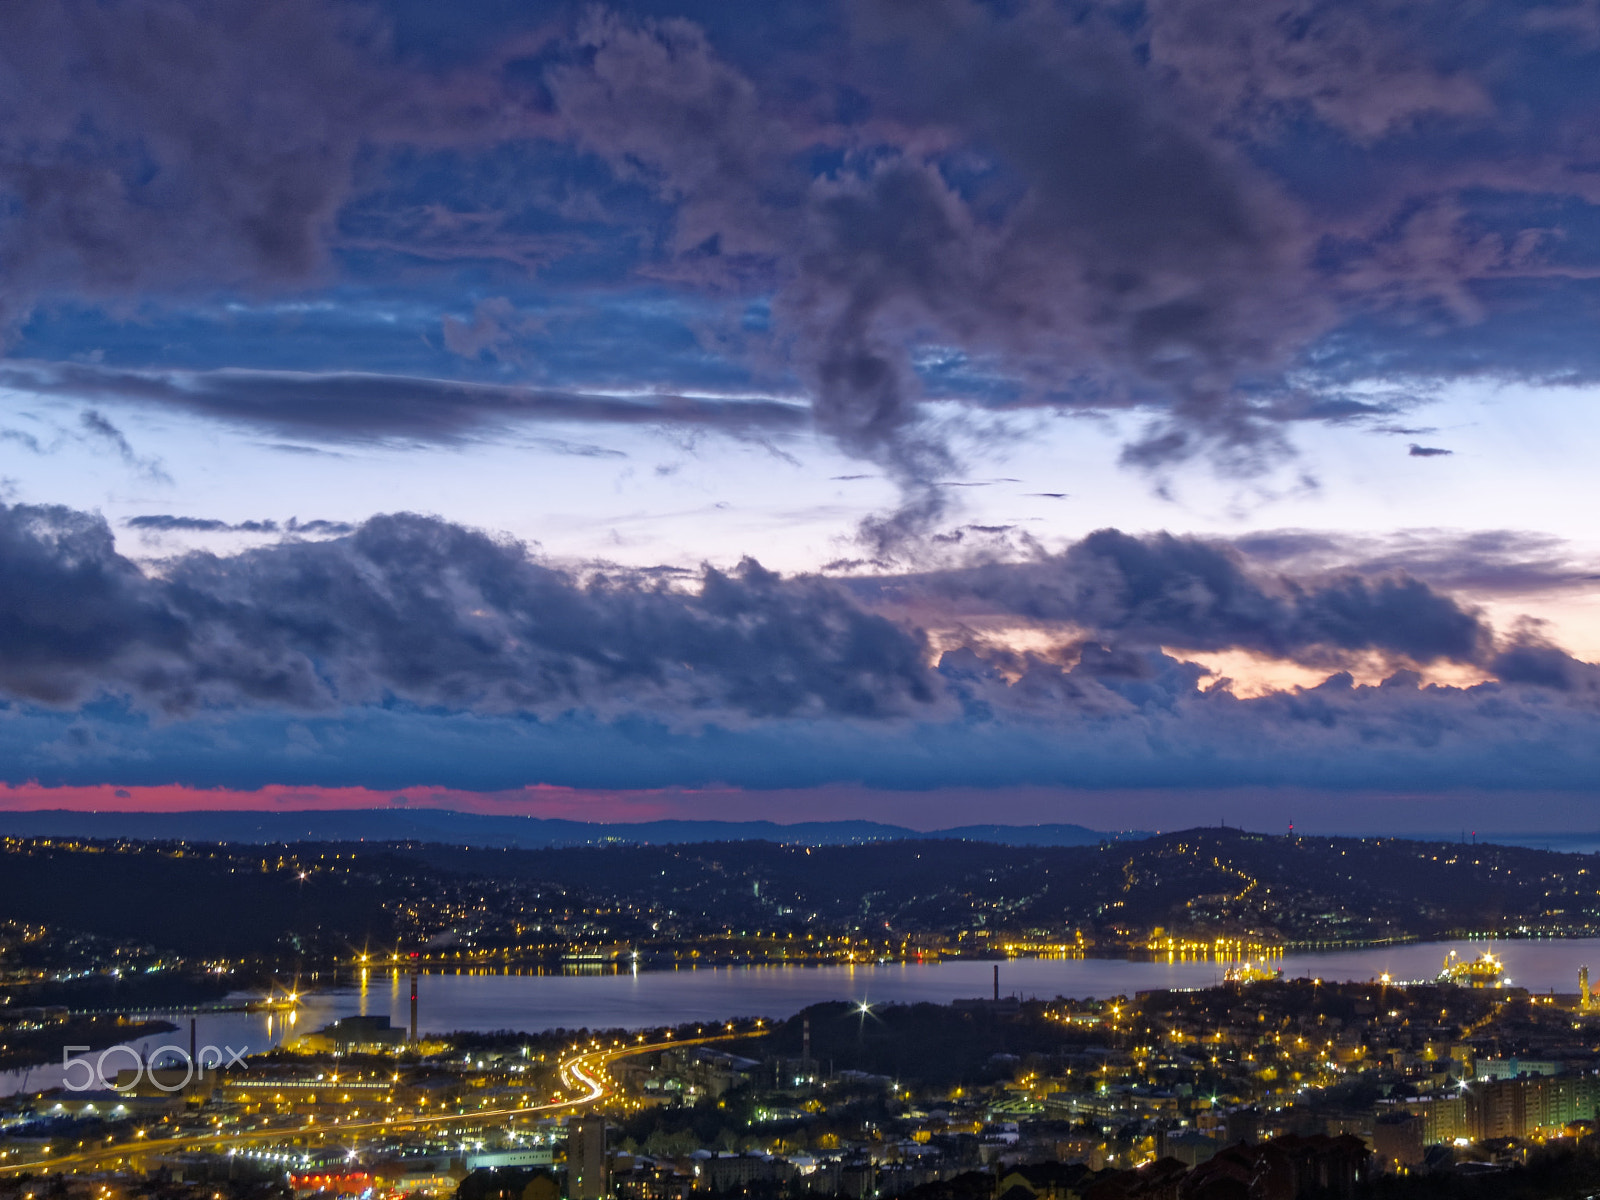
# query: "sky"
(1133, 414)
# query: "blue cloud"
(1219, 220)
(412, 651)
(1335, 737)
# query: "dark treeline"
(925, 1045)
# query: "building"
(306, 1095)
(707, 1071)
(586, 1159)
(1188, 1146)
(1046, 1180)
(338, 1183)
(731, 1172)
(352, 1035)
(494, 1160)
(648, 1180)
(1397, 1141)
(1518, 1107)
(417, 1176)
(1285, 1168)
(186, 1083)
(1444, 1118)
(1504, 1108)
(1512, 1068)
(858, 1178)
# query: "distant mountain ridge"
(477, 829)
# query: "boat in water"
(1483, 971)
(1245, 973)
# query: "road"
(589, 1069)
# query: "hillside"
(1201, 882)
(479, 829)
(332, 899)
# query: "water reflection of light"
(649, 998)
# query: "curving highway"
(589, 1070)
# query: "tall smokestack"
(191, 1039)
(413, 1005)
(997, 981)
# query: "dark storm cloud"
(1130, 241)
(161, 144)
(1397, 195)
(1103, 229)
(166, 523)
(70, 606)
(1487, 563)
(355, 406)
(1362, 68)
(424, 611)
(1116, 719)
(413, 650)
(161, 148)
(1201, 595)
(1164, 724)
(1530, 659)
(1217, 217)
(421, 610)
(318, 526)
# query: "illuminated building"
(586, 1158)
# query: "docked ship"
(1245, 973)
(1483, 971)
